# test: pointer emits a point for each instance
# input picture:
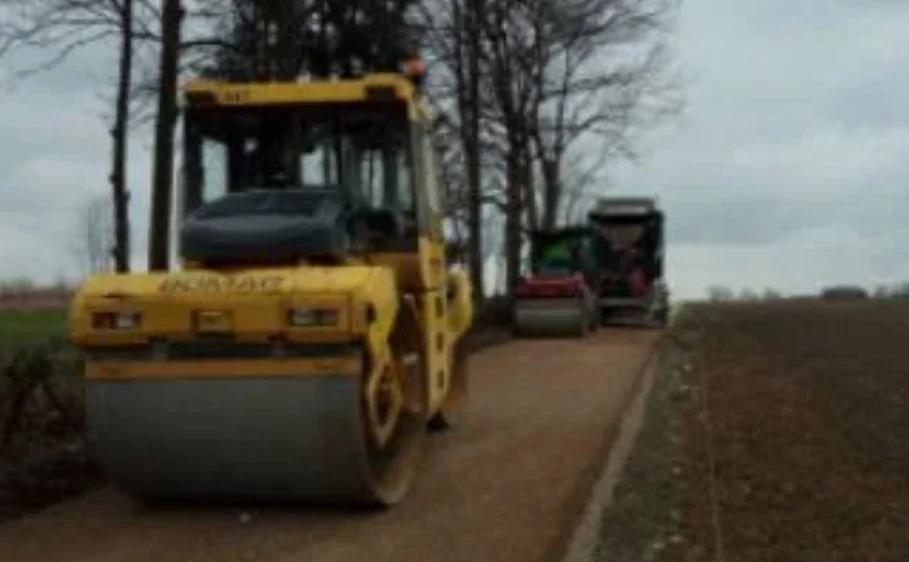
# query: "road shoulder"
(638, 518)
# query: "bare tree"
(120, 137)
(748, 294)
(537, 96)
(882, 292)
(563, 86)
(583, 177)
(455, 46)
(94, 235)
(718, 293)
(165, 125)
(771, 294)
(260, 40)
(509, 33)
(471, 142)
(900, 290)
(61, 27)
(601, 72)
(466, 59)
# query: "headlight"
(312, 317)
(123, 320)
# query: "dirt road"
(501, 487)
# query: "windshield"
(296, 202)
(559, 258)
(363, 155)
(622, 236)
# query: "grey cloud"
(789, 168)
(54, 153)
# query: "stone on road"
(505, 486)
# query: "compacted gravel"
(506, 486)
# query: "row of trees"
(894, 291)
(534, 97)
(717, 293)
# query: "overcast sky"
(790, 167)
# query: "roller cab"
(314, 332)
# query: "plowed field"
(795, 442)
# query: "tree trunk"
(552, 191)
(513, 212)
(120, 134)
(472, 151)
(165, 123)
(527, 184)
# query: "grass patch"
(19, 325)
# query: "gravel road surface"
(503, 487)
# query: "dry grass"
(41, 429)
(13, 298)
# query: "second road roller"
(606, 271)
(314, 332)
(558, 297)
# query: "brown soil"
(502, 487)
(796, 442)
(36, 299)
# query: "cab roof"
(624, 207)
(370, 88)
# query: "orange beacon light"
(415, 70)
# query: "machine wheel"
(353, 440)
(335, 439)
(392, 404)
(452, 412)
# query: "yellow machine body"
(207, 361)
(253, 307)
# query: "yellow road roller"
(314, 332)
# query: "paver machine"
(558, 297)
(630, 260)
(314, 332)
